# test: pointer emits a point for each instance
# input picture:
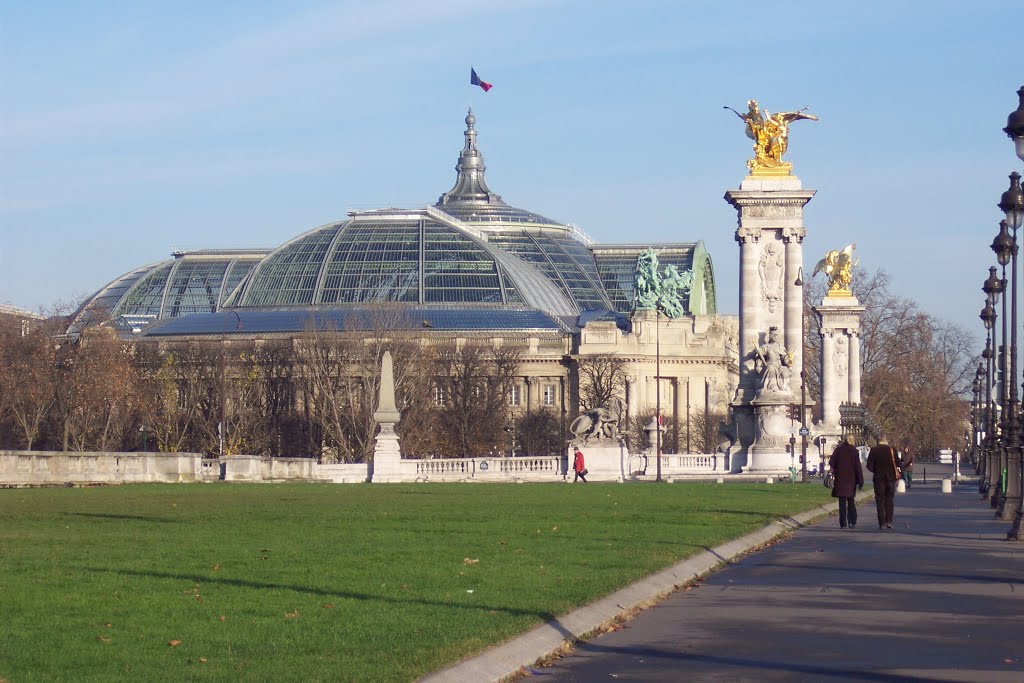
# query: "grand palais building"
(468, 266)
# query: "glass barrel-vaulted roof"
(191, 282)
(413, 257)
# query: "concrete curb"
(504, 661)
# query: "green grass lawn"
(300, 582)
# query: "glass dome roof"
(470, 251)
(394, 256)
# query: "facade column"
(748, 323)
(793, 337)
(854, 374)
(829, 406)
(528, 381)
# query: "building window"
(549, 394)
(514, 395)
(440, 394)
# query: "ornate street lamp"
(988, 317)
(976, 421)
(1015, 125)
(1005, 248)
(1011, 203)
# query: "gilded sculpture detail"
(770, 133)
(838, 265)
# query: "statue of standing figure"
(775, 364)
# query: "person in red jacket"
(848, 477)
(578, 467)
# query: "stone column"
(770, 235)
(854, 367)
(829, 405)
(748, 323)
(839, 316)
(793, 238)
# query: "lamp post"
(1011, 203)
(804, 431)
(976, 416)
(657, 384)
(792, 456)
(988, 317)
(1005, 248)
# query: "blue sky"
(131, 129)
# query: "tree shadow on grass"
(129, 518)
(547, 617)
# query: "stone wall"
(56, 467)
(46, 468)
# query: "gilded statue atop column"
(838, 265)
(770, 133)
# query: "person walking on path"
(847, 477)
(907, 465)
(882, 462)
(578, 467)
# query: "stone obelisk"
(387, 455)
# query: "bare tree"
(27, 375)
(97, 382)
(180, 386)
(473, 381)
(539, 433)
(602, 378)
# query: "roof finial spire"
(470, 185)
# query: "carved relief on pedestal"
(772, 426)
(839, 357)
(771, 270)
(771, 211)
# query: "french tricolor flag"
(475, 80)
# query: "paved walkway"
(940, 597)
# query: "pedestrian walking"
(885, 466)
(847, 478)
(907, 465)
(578, 467)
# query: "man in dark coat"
(848, 477)
(884, 463)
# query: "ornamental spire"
(470, 185)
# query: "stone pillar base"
(605, 461)
(387, 456)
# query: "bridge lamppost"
(1011, 203)
(1005, 248)
(988, 318)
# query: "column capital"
(794, 234)
(746, 234)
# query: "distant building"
(468, 266)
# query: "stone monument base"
(604, 460)
(769, 454)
